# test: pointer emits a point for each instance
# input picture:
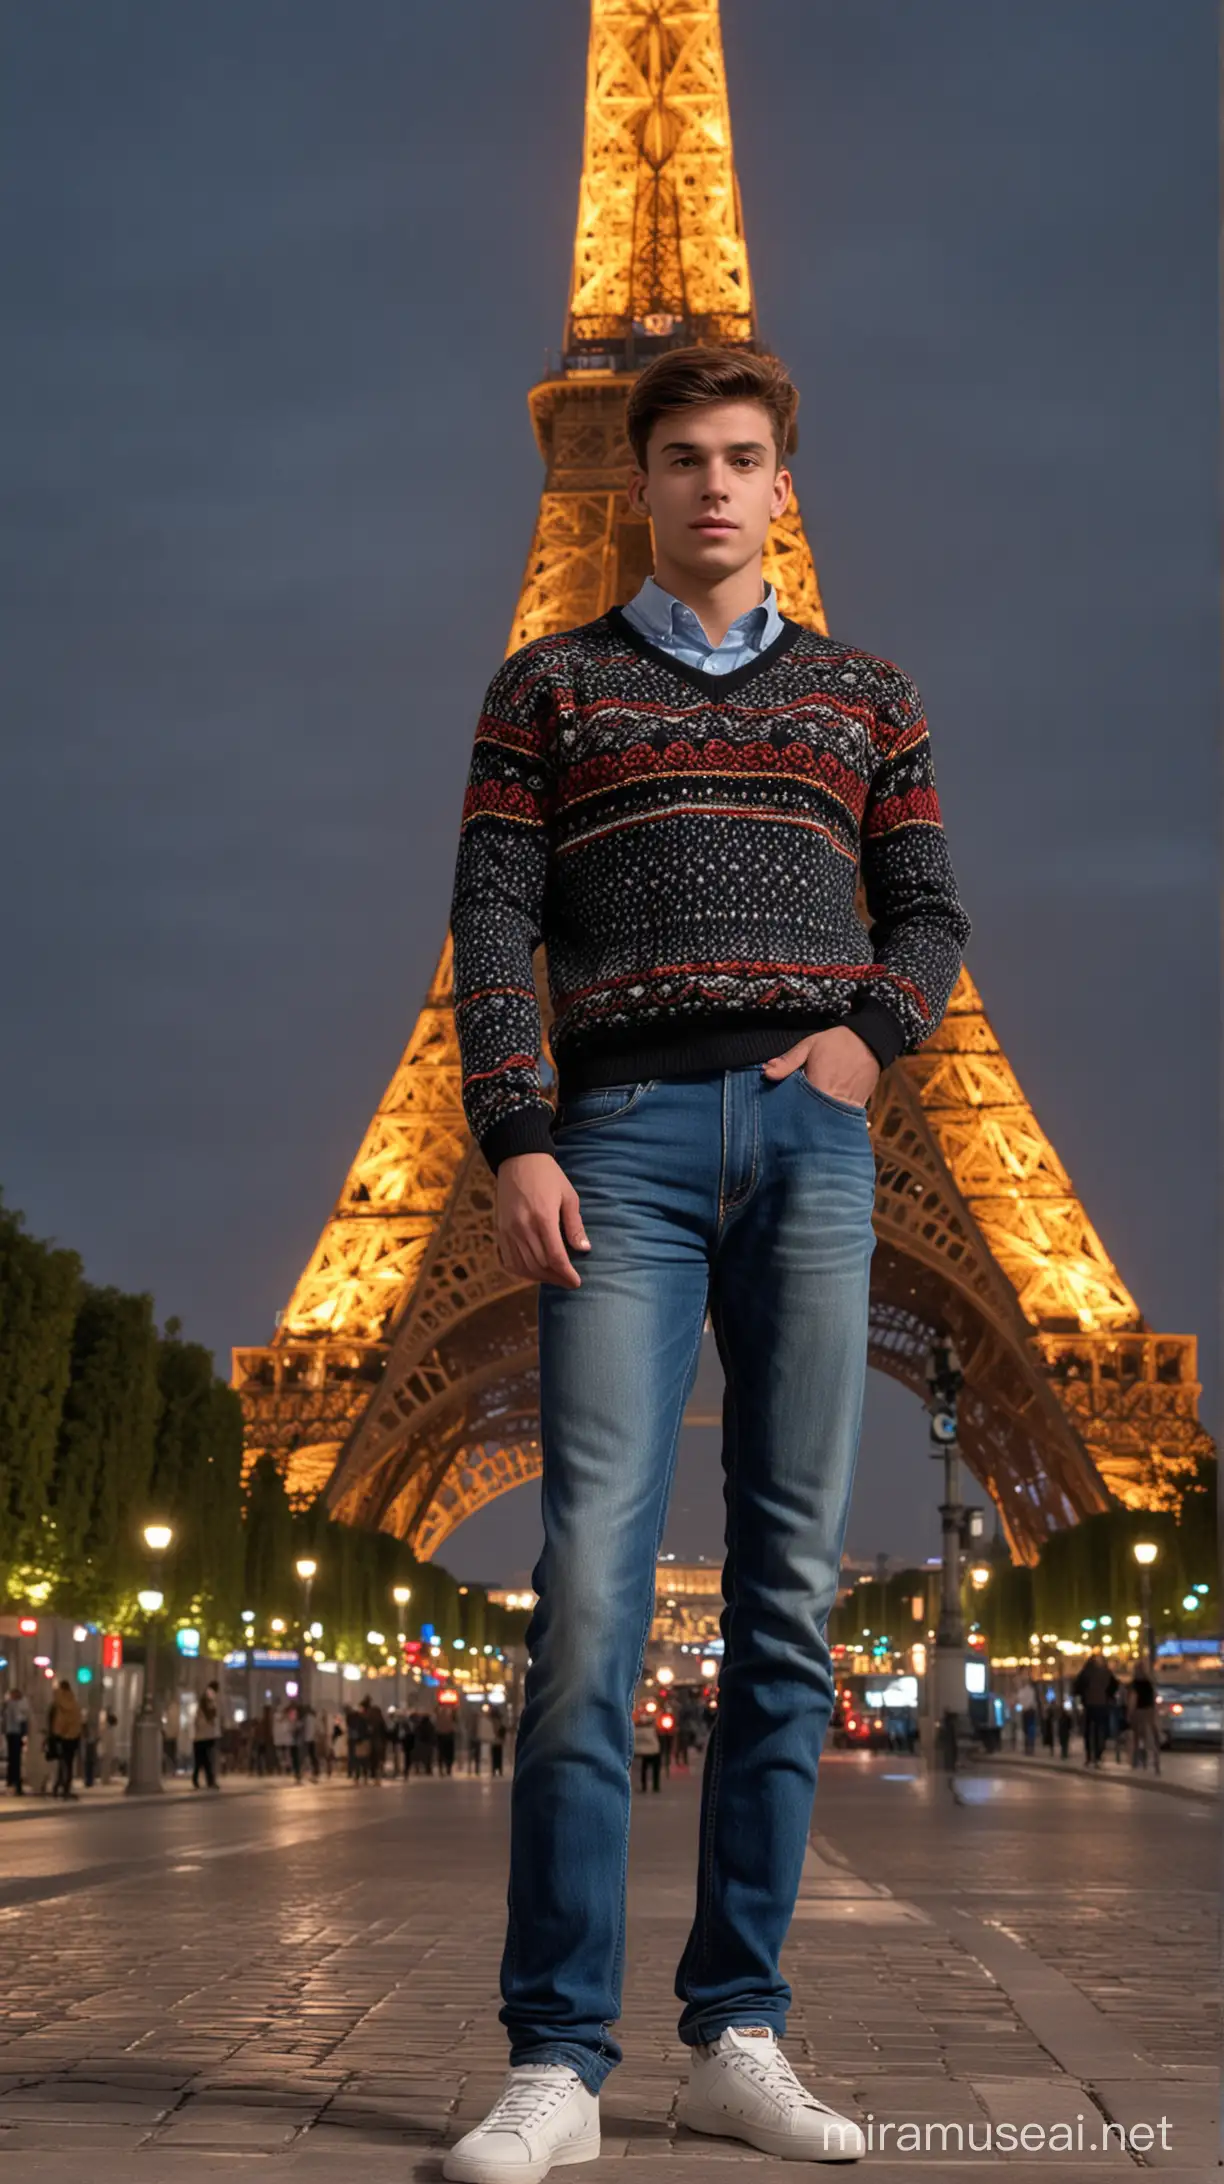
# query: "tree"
(40, 1289)
(105, 1450)
(196, 1483)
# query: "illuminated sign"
(112, 1650)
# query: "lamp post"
(307, 1569)
(401, 1594)
(945, 1380)
(145, 1762)
(1145, 1552)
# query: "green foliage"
(39, 1295)
(886, 1608)
(105, 1450)
(196, 1485)
(353, 1590)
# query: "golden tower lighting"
(403, 1374)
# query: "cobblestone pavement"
(290, 1983)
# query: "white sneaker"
(544, 2119)
(743, 2088)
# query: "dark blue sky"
(277, 280)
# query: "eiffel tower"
(402, 1376)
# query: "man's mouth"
(713, 523)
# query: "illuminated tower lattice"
(403, 1372)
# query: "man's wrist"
(877, 1027)
(525, 1130)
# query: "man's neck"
(718, 603)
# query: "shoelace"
(777, 2077)
(527, 2099)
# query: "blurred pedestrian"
(1141, 1701)
(263, 1742)
(107, 1725)
(310, 1737)
(1026, 1700)
(646, 1748)
(378, 1737)
(297, 1738)
(446, 1744)
(16, 1715)
(497, 1748)
(323, 1739)
(66, 1724)
(361, 1743)
(482, 1737)
(407, 1741)
(1048, 1721)
(686, 1732)
(205, 1730)
(1096, 1688)
(426, 1743)
(282, 1739)
(1065, 1724)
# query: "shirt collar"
(662, 615)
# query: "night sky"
(277, 280)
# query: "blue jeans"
(753, 1199)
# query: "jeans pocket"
(601, 1103)
(840, 1107)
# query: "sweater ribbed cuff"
(527, 1130)
(878, 1028)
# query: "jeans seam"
(716, 1777)
(669, 1474)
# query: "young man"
(677, 798)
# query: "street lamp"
(145, 1763)
(401, 1594)
(946, 1705)
(307, 1569)
(1145, 1552)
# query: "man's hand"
(536, 1203)
(836, 1061)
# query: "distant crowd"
(74, 1744)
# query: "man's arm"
(919, 927)
(497, 910)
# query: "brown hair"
(683, 378)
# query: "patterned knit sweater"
(687, 846)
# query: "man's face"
(711, 487)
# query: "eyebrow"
(735, 447)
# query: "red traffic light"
(27, 1625)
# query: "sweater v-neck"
(701, 678)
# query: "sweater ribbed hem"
(684, 1050)
(680, 1050)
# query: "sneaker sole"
(476, 2169)
(780, 2144)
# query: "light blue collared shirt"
(674, 627)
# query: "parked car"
(859, 1728)
(1190, 1714)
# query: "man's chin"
(705, 553)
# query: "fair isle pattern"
(687, 845)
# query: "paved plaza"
(302, 1983)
